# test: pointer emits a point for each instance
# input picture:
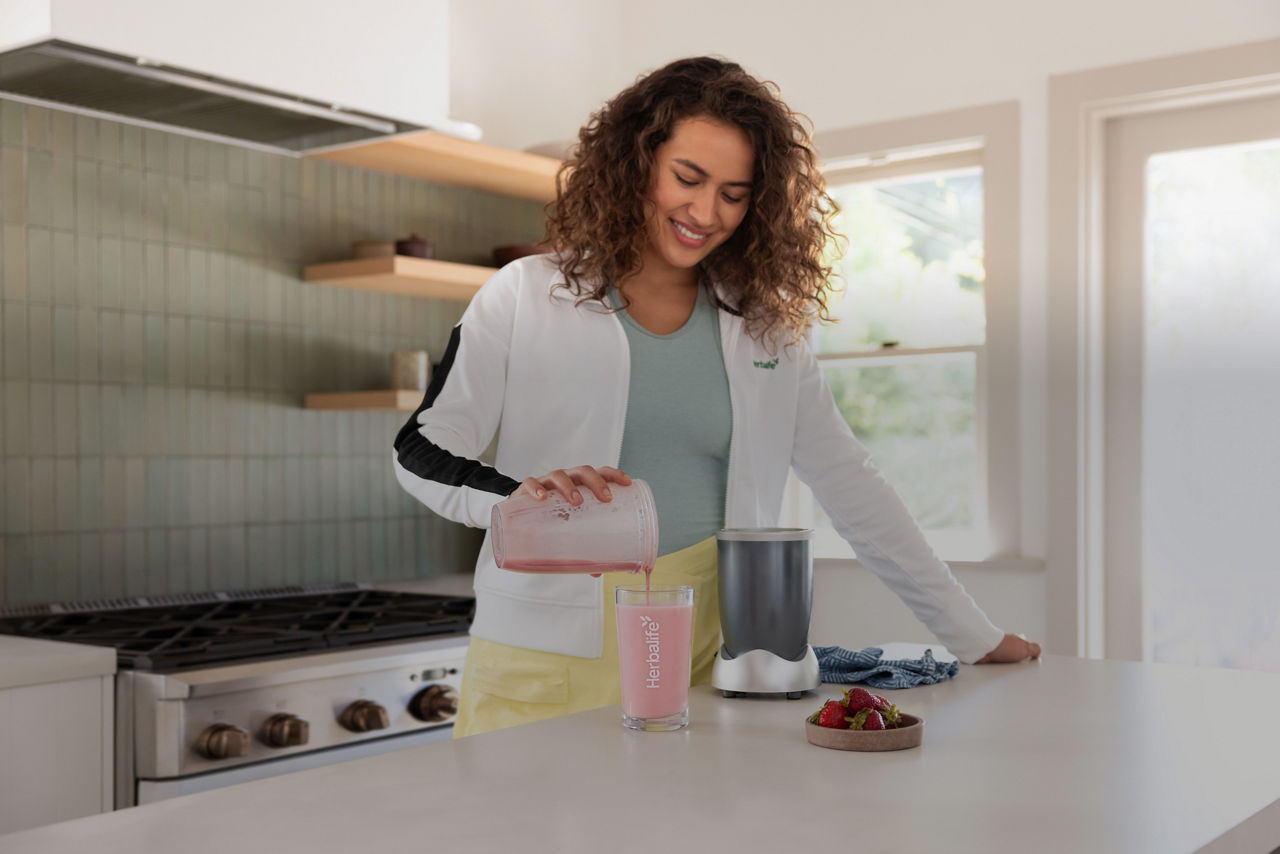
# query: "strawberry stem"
(858, 720)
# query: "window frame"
(987, 136)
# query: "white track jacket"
(553, 378)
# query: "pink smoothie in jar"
(551, 535)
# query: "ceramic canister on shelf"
(410, 369)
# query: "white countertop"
(1064, 755)
(27, 661)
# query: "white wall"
(24, 21)
(531, 73)
(534, 71)
(853, 609)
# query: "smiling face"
(699, 193)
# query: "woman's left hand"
(1012, 648)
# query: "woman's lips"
(688, 236)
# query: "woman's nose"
(702, 209)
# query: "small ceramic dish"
(909, 734)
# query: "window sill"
(962, 546)
(1003, 563)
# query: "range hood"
(129, 88)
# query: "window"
(923, 361)
(903, 360)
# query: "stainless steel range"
(221, 688)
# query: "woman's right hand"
(568, 482)
(1011, 649)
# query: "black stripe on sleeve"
(429, 461)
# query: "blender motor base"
(759, 671)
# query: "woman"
(664, 340)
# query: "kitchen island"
(1061, 755)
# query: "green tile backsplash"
(157, 344)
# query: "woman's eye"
(685, 182)
(733, 200)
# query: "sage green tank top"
(678, 425)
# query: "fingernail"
(577, 496)
(607, 493)
(541, 494)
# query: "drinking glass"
(655, 637)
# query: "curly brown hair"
(775, 268)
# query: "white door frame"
(1080, 104)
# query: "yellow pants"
(506, 685)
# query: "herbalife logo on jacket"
(768, 366)
(654, 659)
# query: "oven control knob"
(284, 730)
(222, 741)
(364, 716)
(434, 703)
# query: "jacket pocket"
(522, 681)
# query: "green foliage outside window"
(912, 277)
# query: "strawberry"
(891, 714)
(858, 719)
(831, 715)
(873, 721)
(857, 699)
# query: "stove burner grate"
(224, 628)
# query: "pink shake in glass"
(654, 652)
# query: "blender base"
(759, 671)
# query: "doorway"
(1191, 385)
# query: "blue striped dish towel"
(836, 664)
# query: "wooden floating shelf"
(382, 400)
(435, 156)
(400, 274)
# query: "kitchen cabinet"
(383, 57)
(57, 732)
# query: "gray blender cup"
(766, 596)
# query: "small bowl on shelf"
(909, 734)
(414, 246)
